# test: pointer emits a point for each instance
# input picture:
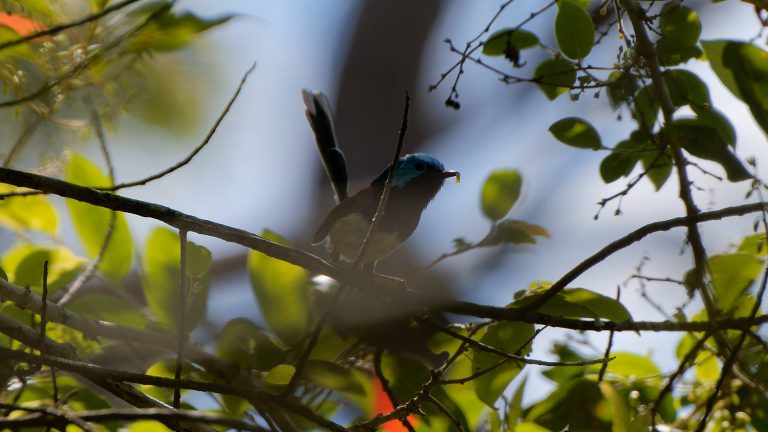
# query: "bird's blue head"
(414, 165)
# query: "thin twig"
(49, 412)
(387, 388)
(182, 323)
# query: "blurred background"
(261, 169)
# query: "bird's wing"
(363, 202)
(320, 119)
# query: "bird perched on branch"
(418, 178)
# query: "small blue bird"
(418, 178)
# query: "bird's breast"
(348, 233)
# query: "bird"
(418, 178)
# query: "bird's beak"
(447, 174)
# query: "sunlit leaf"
(92, 223)
(576, 132)
(628, 365)
(574, 30)
(27, 212)
(280, 375)
(281, 289)
(732, 275)
(161, 276)
(500, 192)
(555, 77)
(24, 264)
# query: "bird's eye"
(420, 166)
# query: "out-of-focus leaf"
(708, 116)
(646, 107)
(680, 28)
(332, 376)
(500, 192)
(509, 43)
(281, 289)
(686, 88)
(576, 132)
(21, 51)
(24, 264)
(244, 343)
(514, 232)
(658, 166)
(732, 275)
(555, 77)
(92, 223)
(621, 88)
(621, 161)
(558, 410)
(27, 212)
(171, 31)
(743, 68)
(619, 408)
(574, 30)
(706, 142)
(108, 308)
(754, 244)
(515, 407)
(506, 336)
(161, 273)
(500, 42)
(280, 375)
(707, 367)
(628, 365)
(148, 426)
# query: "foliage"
(309, 364)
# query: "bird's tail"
(320, 118)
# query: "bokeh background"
(261, 169)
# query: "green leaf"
(280, 375)
(13, 54)
(755, 244)
(577, 303)
(171, 31)
(281, 289)
(732, 275)
(27, 212)
(631, 365)
(92, 223)
(621, 88)
(619, 408)
(513, 231)
(646, 107)
(244, 343)
(161, 276)
(686, 88)
(510, 337)
(555, 77)
(680, 28)
(501, 41)
(515, 407)
(500, 192)
(620, 162)
(576, 132)
(24, 264)
(108, 307)
(707, 143)
(743, 68)
(332, 376)
(509, 42)
(658, 165)
(574, 30)
(680, 24)
(706, 115)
